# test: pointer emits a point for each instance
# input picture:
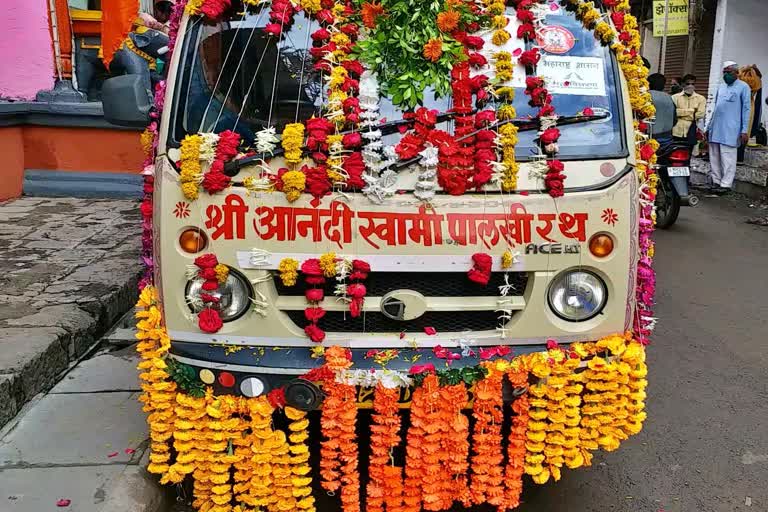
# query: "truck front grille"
(442, 321)
(429, 284)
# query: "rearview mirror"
(127, 100)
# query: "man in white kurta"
(728, 128)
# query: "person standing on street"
(691, 108)
(729, 127)
(661, 130)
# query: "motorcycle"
(674, 170)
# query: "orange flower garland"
(385, 485)
(455, 443)
(487, 468)
(348, 450)
(414, 462)
(339, 450)
(513, 473)
(436, 495)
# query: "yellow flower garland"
(158, 393)
(293, 184)
(222, 273)
(328, 264)
(292, 142)
(191, 172)
(301, 479)
(264, 440)
(508, 133)
(289, 271)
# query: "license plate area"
(676, 172)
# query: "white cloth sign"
(581, 76)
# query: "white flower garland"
(380, 182)
(390, 379)
(266, 141)
(343, 269)
(427, 180)
(208, 147)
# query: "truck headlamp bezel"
(235, 295)
(564, 287)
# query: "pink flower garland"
(148, 166)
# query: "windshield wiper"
(390, 127)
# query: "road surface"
(705, 445)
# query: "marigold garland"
(191, 172)
(487, 457)
(455, 444)
(212, 440)
(384, 490)
(158, 394)
(515, 468)
(289, 271)
(415, 471)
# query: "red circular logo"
(557, 40)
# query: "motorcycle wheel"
(667, 205)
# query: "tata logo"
(552, 248)
(403, 305)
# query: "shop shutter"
(703, 61)
(675, 61)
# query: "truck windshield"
(233, 76)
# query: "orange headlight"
(601, 245)
(193, 240)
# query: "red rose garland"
(313, 276)
(332, 46)
(480, 272)
(356, 289)
(281, 15)
(540, 97)
(213, 274)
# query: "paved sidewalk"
(69, 269)
(83, 444)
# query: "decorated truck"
(398, 252)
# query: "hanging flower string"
(212, 274)
(314, 293)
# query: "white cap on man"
(729, 64)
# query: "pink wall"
(26, 52)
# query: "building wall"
(746, 37)
(741, 36)
(26, 51)
(12, 170)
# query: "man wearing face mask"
(691, 108)
(729, 127)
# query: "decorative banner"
(677, 25)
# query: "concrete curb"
(60, 346)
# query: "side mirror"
(127, 100)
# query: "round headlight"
(234, 296)
(577, 295)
